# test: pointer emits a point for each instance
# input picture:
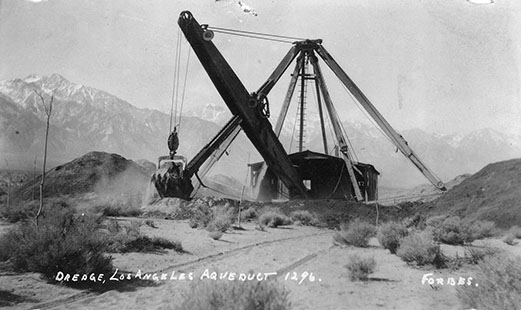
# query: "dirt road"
(303, 259)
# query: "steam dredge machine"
(303, 175)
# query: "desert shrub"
(420, 248)
(452, 230)
(356, 233)
(391, 234)
(236, 295)
(62, 241)
(273, 219)
(510, 239)
(416, 221)
(8, 244)
(482, 229)
(130, 239)
(222, 219)
(249, 214)
(515, 231)
(150, 244)
(499, 285)
(23, 210)
(16, 212)
(215, 235)
(201, 215)
(304, 217)
(359, 268)
(475, 254)
(435, 221)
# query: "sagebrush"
(421, 249)
(62, 241)
(498, 280)
(272, 218)
(451, 230)
(221, 220)
(483, 229)
(391, 234)
(356, 233)
(360, 268)
(305, 217)
(216, 218)
(129, 238)
(236, 295)
(249, 214)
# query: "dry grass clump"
(391, 234)
(305, 217)
(421, 249)
(62, 241)
(356, 233)
(236, 295)
(360, 268)
(496, 285)
(273, 218)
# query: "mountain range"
(86, 119)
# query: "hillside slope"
(493, 193)
(98, 172)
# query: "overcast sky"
(444, 66)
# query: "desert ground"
(297, 250)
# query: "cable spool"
(208, 35)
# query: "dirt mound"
(493, 193)
(97, 172)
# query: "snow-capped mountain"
(214, 113)
(85, 119)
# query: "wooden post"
(48, 112)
